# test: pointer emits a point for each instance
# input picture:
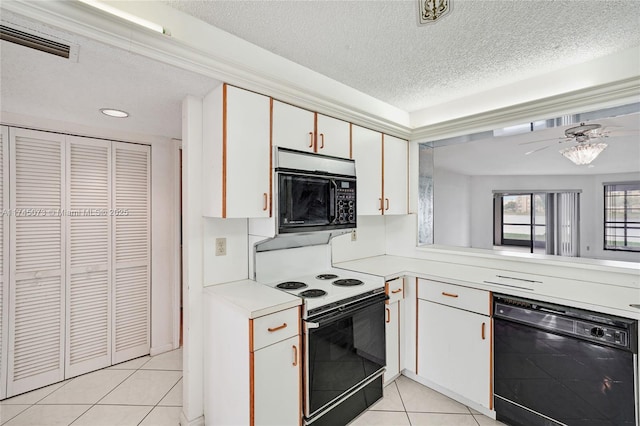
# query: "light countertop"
(253, 299)
(601, 291)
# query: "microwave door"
(305, 201)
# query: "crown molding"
(603, 96)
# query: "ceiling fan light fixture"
(583, 153)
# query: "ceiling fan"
(587, 142)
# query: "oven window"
(304, 200)
(343, 353)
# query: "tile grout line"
(395, 383)
(160, 400)
(104, 396)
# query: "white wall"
(370, 240)
(452, 208)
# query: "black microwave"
(314, 192)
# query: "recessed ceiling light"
(114, 112)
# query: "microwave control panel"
(346, 200)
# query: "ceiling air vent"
(34, 42)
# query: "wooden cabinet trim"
(382, 184)
(270, 201)
(224, 150)
(252, 383)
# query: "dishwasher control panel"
(603, 333)
(608, 330)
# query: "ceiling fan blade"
(559, 140)
(536, 150)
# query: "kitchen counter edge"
(253, 299)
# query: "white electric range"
(329, 288)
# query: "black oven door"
(344, 350)
(305, 202)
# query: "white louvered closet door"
(88, 256)
(36, 298)
(4, 258)
(132, 272)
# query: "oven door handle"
(345, 311)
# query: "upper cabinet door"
(236, 153)
(293, 127)
(333, 137)
(367, 152)
(396, 163)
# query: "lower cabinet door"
(277, 384)
(454, 350)
(392, 327)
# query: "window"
(523, 220)
(622, 216)
(540, 222)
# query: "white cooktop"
(334, 293)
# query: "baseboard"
(198, 421)
(161, 349)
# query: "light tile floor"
(147, 391)
(406, 402)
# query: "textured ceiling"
(378, 48)
(42, 85)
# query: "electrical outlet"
(354, 236)
(221, 246)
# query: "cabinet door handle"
(265, 204)
(388, 315)
(396, 291)
(295, 355)
(386, 202)
(444, 293)
(483, 334)
(310, 139)
(280, 327)
(380, 201)
(321, 140)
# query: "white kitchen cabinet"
(236, 153)
(252, 365)
(277, 383)
(293, 127)
(393, 328)
(333, 137)
(381, 170)
(305, 130)
(395, 175)
(367, 152)
(454, 345)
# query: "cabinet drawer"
(469, 299)
(395, 290)
(273, 328)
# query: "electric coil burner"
(327, 276)
(291, 285)
(314, 292)
(347, 282)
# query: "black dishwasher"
(556, 365)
